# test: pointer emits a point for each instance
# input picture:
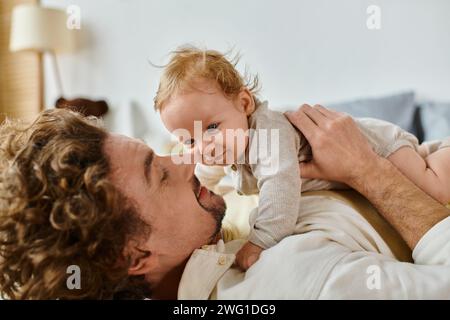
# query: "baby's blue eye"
(213, 126)
(189, 142)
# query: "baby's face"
(209, 123)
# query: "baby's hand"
(248, 255)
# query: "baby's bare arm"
(248, 255)
(431, 174)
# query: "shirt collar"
(204, 269)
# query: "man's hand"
(248, 255)
(340, 151)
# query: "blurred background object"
(84, 106)
(43, 30)
(21, 92)
(29, 31)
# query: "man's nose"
(187, 170)
(184, 170)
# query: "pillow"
(398, 109)
(435, 120)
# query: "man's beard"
(216, 207)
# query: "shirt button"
(222, 260)
(239, 193)
(233, 167)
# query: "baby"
(201, 89)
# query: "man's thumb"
(309, 170)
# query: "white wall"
(304, 51)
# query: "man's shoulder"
(353, 219)
(295, 268)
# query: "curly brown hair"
(58, 208)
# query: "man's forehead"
(115, 142)
(123, 150)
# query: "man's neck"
(217, 237)
(167, 287)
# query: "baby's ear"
(246, 102)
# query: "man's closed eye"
(164, 176)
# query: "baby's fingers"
(241, 262)
(251, 260)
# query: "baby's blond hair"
(189, 63)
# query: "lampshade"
(41, 29)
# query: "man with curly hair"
(66, 199)
(140, 226)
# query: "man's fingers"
(331, 114)
(304, 123)
(309, 170)
(292, 115)
(315, 115)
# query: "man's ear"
(142, 261)
(245, 101)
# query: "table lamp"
(44, 30)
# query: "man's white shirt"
(334, 254)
